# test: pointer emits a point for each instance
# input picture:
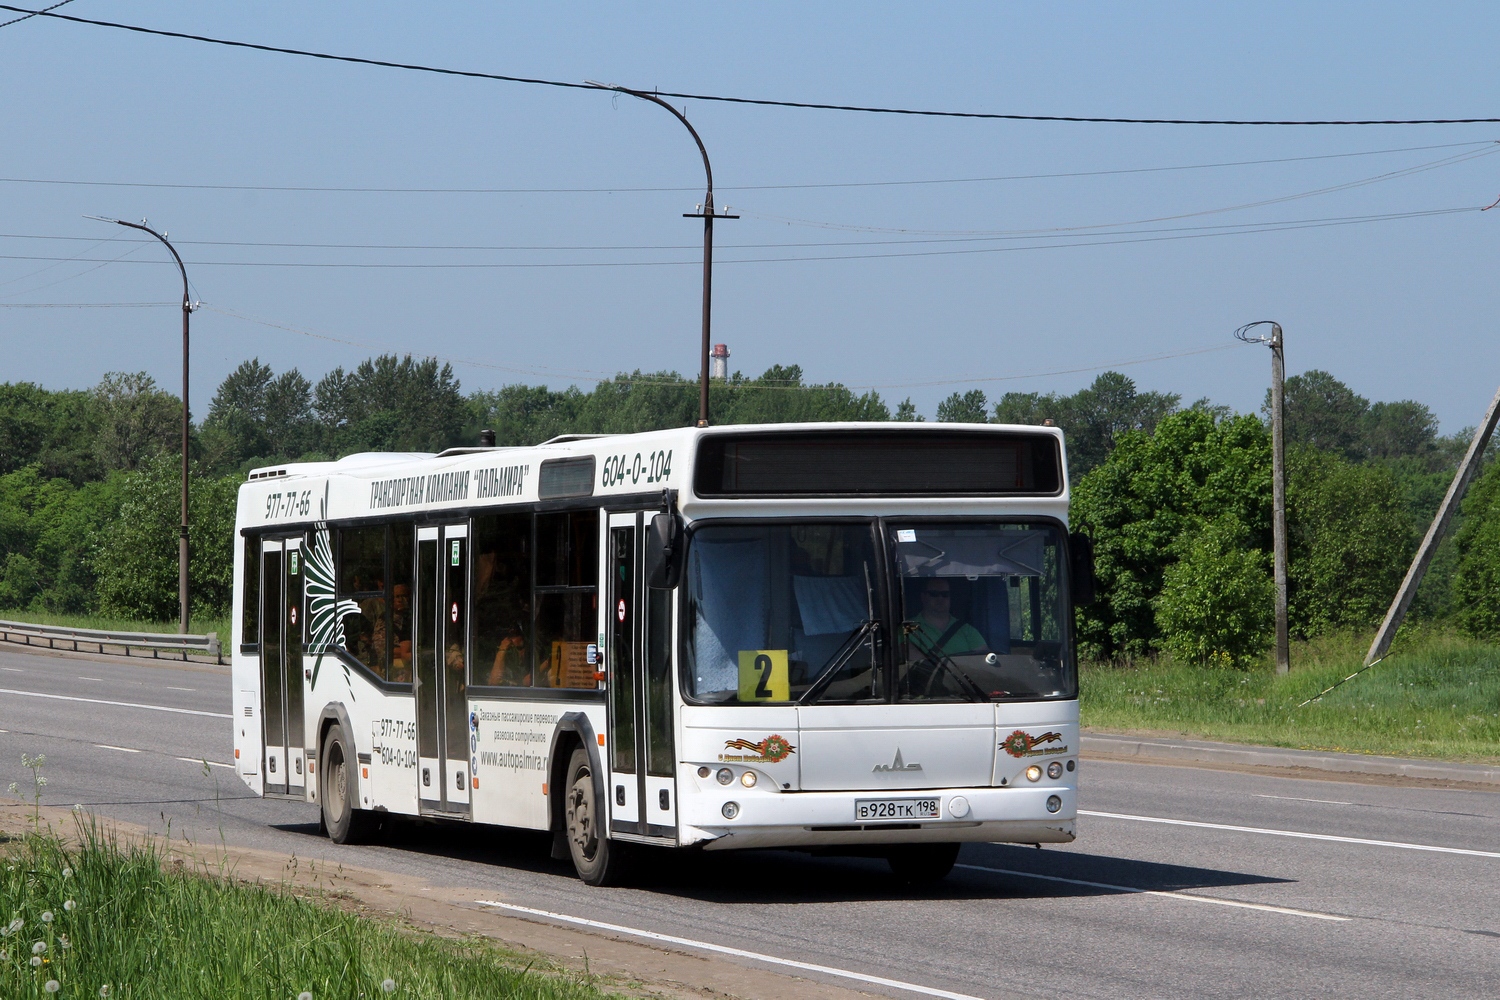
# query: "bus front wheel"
(345, 824)
(921, 864)
(597, 859)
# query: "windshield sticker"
(1022, 744)
(764, 675)
(773, 749)
(906, 535)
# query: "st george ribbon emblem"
(1022, 744)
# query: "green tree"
(391, 404)
(1476, 583)
(1092, 418)
(964, 408)
(136, 557)
(1217, 601)
(48, 529)
(1153, 491)
(136, 420)
(1350, 539)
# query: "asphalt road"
(1184, 882)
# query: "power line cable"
(1104, 239)
(762, 102)
(1070, 174)
(37, 13)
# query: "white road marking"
(1187, 896)
(82, 678)
(170, 688)
(720, 949)
(1298, 798)
(1293, 833)
(106, 746)
(13, 670)
(200, 760)
(117, 704)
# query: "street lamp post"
(707, 215)
(187, 309)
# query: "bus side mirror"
(664, 550)
(1081, 554)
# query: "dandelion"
(52, 986)
(39, 947)
(46, 916)
(4, 955)
(305, 995)
(36, 962)
(67, 873)
(69, 905)
(388, 986)
(16, 925)
(104, 990)
(78, 807)
(63, 942)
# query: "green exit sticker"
(292, 562)
(454, 557)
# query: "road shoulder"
(1157, 748)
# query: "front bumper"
(809, 819)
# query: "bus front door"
(281, 678)
(642, 785)
(444, 748)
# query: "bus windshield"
(810, 612)
(983, 613)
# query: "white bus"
(846, 637)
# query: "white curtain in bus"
(830, 604)
(729, 589)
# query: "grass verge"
(1437, 696)
(99, 918)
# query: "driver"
(937, 632)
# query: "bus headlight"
(748, 779)
(704, 772)
(731, 810)
(1054, 770)
(1034, 773)
(725, 775)
(1054, 803)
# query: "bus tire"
(597, 859)
(922, 864)
(345, 824)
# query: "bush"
(1217, 603)
(137, 555)
(1476, 585)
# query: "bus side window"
(567, 597)
(502, 600)
(361, 578)
(250, 609)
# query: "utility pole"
(1278, 478)
(707, 214)
(1439, 527)
(187, 310)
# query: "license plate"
(876, 810)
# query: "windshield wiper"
(939, 660)
(851, 645)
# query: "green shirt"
(965, 638)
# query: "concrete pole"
(1278, 494)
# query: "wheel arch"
(572, 729)
(335, 713)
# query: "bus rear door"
(281, 618)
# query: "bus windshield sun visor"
(936, 462)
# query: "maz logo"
(896, 765)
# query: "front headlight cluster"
(725, 776)
(1054, 770)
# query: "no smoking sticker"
(620, 610)
(294, 614)
(453, 612)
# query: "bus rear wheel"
(345, 824)
(597, 859)
(922, 864)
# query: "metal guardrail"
(80, 639)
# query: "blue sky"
(1398, 309)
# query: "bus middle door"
(442, 653)
(281, 665)
(642, 785)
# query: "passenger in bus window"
(454, 660)
(401, 632)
